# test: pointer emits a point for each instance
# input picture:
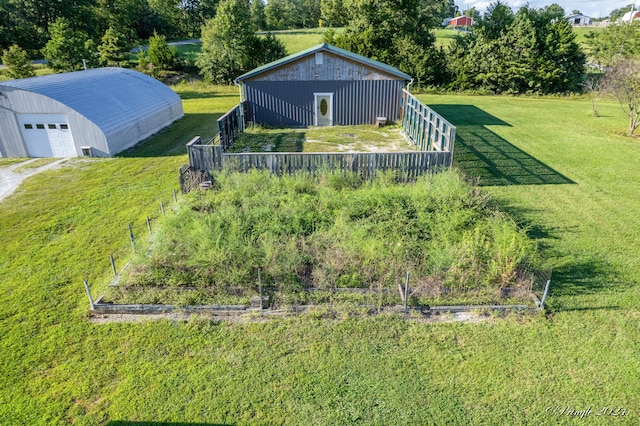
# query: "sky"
(591, 8)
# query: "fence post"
(149, 225)
(406, 292)
(86, 287)
(175, 196)
(162, 207)
(260, 287)
(544, 295)
(113, 266)
(132, 237)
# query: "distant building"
(461, 21)
(98, 112)
(630, 16)
(579, 20)
(446, 22)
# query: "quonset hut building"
(98, 112)
(322, 86)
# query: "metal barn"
(98, 112)
(323, 86)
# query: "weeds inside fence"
(335, 231)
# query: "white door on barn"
(47, 135)
(61, 141)
(36, 139)
(323, 105)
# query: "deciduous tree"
(258, 19)
(396, 32)
(606, 46)
(619, 13)
(623, 81)
(230, 46)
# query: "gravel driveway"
(10, 180)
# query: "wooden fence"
(232, 124)
(409, 165)
(433, 136)
(427, 129)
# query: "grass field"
(571, 178)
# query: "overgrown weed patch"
(335, 231)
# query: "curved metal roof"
(327, 48)
(112, 98)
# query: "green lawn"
(445, 36)
(570, 177)
(298, 40)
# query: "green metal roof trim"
(328, 48)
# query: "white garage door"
(47, 135)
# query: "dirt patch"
(435, 318)
(11, 178)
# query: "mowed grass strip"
(57, 368)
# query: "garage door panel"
(47, 135)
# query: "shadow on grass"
(570, 276)
(195, 94)
(290, 141)
(584, 276)
(172, 141)
(481, 153)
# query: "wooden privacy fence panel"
(232, 124)
(427, 129)
(204, 157)
(409, 165)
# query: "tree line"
(524, 51)
(27, 23)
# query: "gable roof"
(326, 48)
(109, 97)
(461, 21)
(630, 16)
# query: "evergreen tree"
(66, 48)
(529, 52)
(17, 63)
(161, 55)
(113, 48)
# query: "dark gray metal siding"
(290, 103)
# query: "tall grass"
(335, 231)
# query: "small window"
(319, 58)
(39, 126)
(28, 126)
(86, 151)
(64, 126)
(51, 126)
